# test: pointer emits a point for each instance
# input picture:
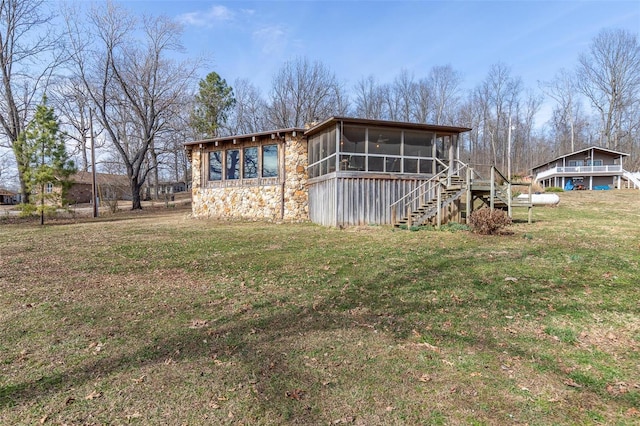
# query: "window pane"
(323, 168)
(250, 163)
(233, 164)
(352, 162)
(314, 148)
(426, 166)
(392, 164)
(417, 144)
(382, 141)
(376, 164)
(215, 165)
(410, 165)
(353, 139)
(313, 171)
(331, 142)
(270, 161)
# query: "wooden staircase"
(439, 199)
(449, 189)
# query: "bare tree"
(424, 101)
(562, 89)
(369, 100)
(500, 93)
(402, 94)
(73, 105)
(28, 56)
(249, 112)
(609, 76)
(133, 84)
(444, 83)
(304, 92)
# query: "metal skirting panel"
(353, 201)
(322, 202)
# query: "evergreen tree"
(47, 166)
(212, 103)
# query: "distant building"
(109, 187)
(589, 168)
(8, 197)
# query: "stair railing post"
(492, 190)
(439, 206)
(408, 218)
(509, 209)
(530, 207)
(468, 206)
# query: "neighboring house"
(164, 188)
(343, 171)
(109, 187)
(589, 168)
(8, 197)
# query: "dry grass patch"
(154, 318)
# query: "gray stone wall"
(282, 198)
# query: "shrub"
(553, 189)
(27, 210)
(488, 222)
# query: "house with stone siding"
(340, 172)
(255, 176)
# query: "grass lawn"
(156, 318)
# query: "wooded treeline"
(120, 70)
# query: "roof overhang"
(270, 133)
(384, 123)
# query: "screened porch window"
(375, 149)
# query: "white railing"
(633, 178)
(613, 168)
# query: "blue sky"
(359, 38)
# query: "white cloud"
(272, 39)
(207, 18)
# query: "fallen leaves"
(572, 383)
(93, 395)
(632, 412)
(139, 379)
(198, 323)
(425, 378)
(296, 394)
(618, 388)
(344, 420)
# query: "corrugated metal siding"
(350, 201)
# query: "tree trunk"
(136, 200)
(24, 192)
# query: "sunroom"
(359, 168)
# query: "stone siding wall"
(260, 199)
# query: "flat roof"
(245, 136)
(385, 123)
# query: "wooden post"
(408, 218)
(439, 216)
(492, 189)
(530, 212)
(469, 200)
(509, 200)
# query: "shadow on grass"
(258, 341)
